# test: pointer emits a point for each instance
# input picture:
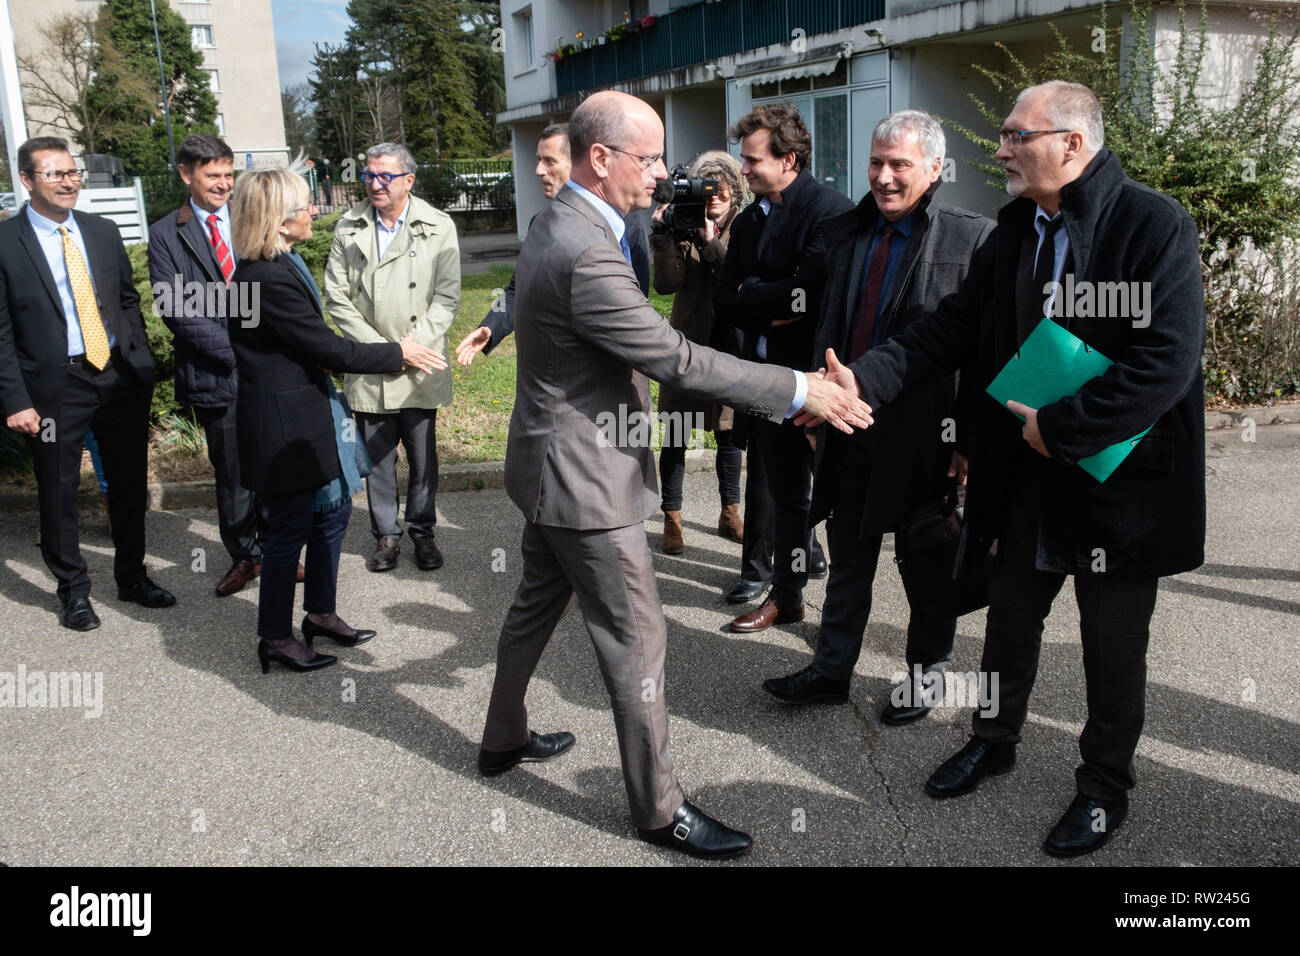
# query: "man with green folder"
(1076, 221)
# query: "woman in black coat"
(292, 448)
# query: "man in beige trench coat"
(394, 268)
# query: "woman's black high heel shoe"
(266, 654)
(311, 630)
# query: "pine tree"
(135, 131)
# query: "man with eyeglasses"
(74, 355)
(1077, 221)
(553, 166)
(394, 268)
(192, 245)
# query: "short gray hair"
(895, 128)
(1072, 106)
(596, 123)
(395, 150)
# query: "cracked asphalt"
(199, 758)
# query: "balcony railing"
(704, 31)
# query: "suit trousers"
(854, 558)
(611, 573)
(240, 516)
(787, 463)
(115, 403)
(291, 524)
(417, 430)
(1114, 623)
(760, 516)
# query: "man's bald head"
(616, 142)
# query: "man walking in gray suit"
(577, 467)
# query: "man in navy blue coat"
(190, 249)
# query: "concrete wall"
(694, 120)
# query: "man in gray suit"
(579, 464)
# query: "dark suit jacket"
(1148, 518)
(909, 455)
(500, 320)
(33, 328)
(205, 361)
(774, 269)
(286, 429)
(587, 341)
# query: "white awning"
(820, 68)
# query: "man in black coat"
(1080, 222)
(190, 249)
(888, 263)
(74, 355)
(770, 286)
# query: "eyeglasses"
(297, 209)
(58, 175)
(1016, 137)
(368, 177)
(646, 161)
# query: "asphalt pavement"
(196, 757)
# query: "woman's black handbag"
(925, 548)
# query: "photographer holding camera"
(688, 244)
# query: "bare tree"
(58, 77)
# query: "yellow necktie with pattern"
(93, 333)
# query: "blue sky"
(299, 24)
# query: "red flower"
(648, 21)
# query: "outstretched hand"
(472, 344)
(834, 396)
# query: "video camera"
(686, 197)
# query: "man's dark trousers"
(853, 568)
(240, 516)
(115, 403)
(1114, 622)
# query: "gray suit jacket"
(588, 339)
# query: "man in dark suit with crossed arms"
(588, 339)
(73, 354)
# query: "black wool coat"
(911, 444)
(1148, 518)
(774, 270)
(286, 428)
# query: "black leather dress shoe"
(744, 591)
(695, 832)
(539, 747)
(427, 555)
(962, 772)
(1086, 826)
(910, 699)
(79, 615)
(386, 551)
(808, 687)
(311, 630)
(818, 570)
(146, 594)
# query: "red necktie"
(865, 327)
(224, 259)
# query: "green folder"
(1051, 364)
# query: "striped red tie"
(224, 258)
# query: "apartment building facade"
(844, 63)
(237, 38)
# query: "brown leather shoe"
(427, 555)
(729, 523)
(240, 573)
(672, 543)
(302, 572)
(765, 615)
(385, 556)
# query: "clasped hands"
(834, 397)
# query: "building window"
(214, 81)
(523, 39)
(221, 124)
(201, 35)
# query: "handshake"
(834, 397)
